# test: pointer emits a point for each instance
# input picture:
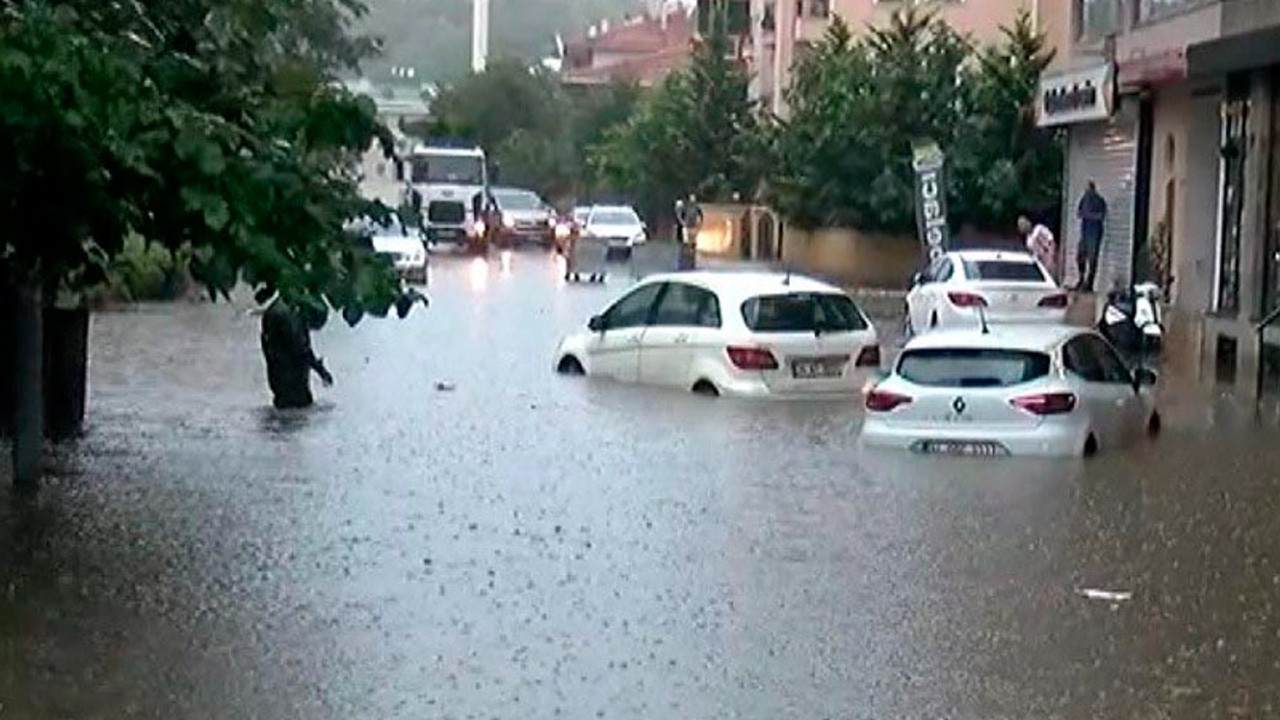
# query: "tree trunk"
(28, 386)
(66, 353)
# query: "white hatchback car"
(960, 288)
(1033, 390)
(729, 333)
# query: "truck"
(452, 180)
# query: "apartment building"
(782, 29)
(1171, 107)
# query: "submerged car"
(729, 333)
(1029, 390)
(971, 287)
(395, 241)
(618, 225)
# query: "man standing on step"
(1093, 216)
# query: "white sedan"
(961, 289)
(729, 333)
(1033, 390)
(618, 225)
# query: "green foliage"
(843, 154)
(696, 133)
(535, 129)
(191, 123)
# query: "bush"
(143, 272)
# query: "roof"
(643, 69)
(744, 283)
(990, 255)
(641, 35)
(1031, 338)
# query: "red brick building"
(642, 49)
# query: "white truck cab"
(453, 181)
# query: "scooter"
(1132, 320)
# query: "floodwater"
(519, 544)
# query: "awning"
(1259, 48)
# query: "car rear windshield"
(1003, 270)
(971, 367)
(803, 312)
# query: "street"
(458, 532)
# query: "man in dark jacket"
(286, 345)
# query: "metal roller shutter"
(1105, 152)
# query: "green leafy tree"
(1007, 165)
(695, 133)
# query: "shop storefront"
(1102, 147)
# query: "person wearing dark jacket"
(286, 346)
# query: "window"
(1152, 10)
(1114, 370)
(946, 269)
(803, 312)
(972, 367)
(614, 217)
(687, 306)
(633, 310)
(1092, 360)
(508, 200)
(460, 170)
(1003, 270)
(1096, 19)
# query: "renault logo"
(958, 405)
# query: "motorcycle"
(1132, 320)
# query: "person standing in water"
(286, 347)
(1040, 243)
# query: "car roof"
(746, 283)
(1030, 338)
(622, 208)
(508, 189)
(1012, 256)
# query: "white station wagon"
(1030, 390)
(969, 287)
(729, 333)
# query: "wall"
(982, 18)
(1195, 222)
(851, 257)
(1054, 19)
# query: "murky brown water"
(532, 546)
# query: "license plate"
(817, 368)
(968, 448)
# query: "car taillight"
(750, 358)
(1053, 301)
(1046, 403)
(966, 300)
(885, 401)
(869, 357)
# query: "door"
(1105, 387)
(685, 321)
(614, 352)
(1106, 153)
(923, 299)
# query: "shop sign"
(1076, 96)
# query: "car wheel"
(569, 365)
(705, 388)
(1154, 425)
(1091, 446)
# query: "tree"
(695, 133)
(215, 127)
(1007, 164)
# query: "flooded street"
(523, 545)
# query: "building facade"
(781, 29)
(642, 49)
(1170, 106)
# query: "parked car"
(1031, 390)
(968, 288)
(618, 225)
(525, 217)
(729, 333)
(395, 241)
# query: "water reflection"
(526, 543)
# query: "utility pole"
(479, 35)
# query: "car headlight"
(478, 227)
(508, 220)
(562, 232)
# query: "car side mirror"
(596, 323)
(917, 279)
(1144, 377)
